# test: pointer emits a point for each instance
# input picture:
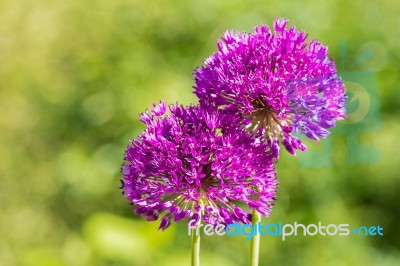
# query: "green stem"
(195, 247)
(255, 241)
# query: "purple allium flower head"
(280, 84)
(191, 163)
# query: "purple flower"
(279, 83)
(192, 163)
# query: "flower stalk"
(255, 241)
(196, 246)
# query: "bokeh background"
(74, 75)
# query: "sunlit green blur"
(74, 75)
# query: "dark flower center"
(264, 117)
(209, 180)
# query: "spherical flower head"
(277, 81)
(192, 163)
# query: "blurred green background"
(74, 75)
